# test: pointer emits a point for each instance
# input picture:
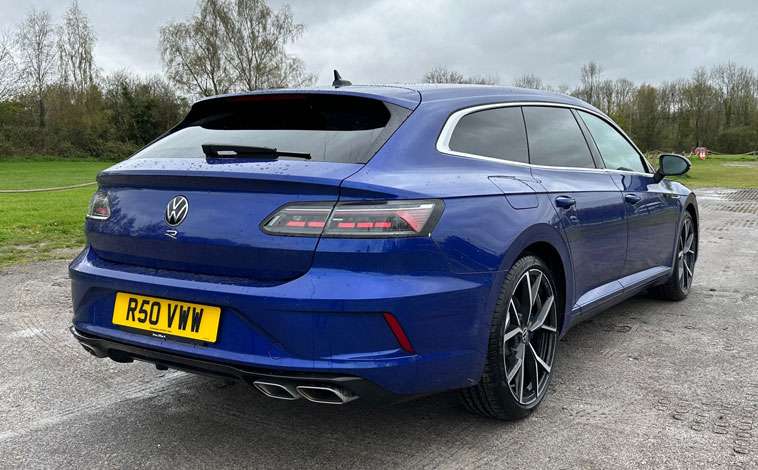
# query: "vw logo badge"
(176, 210)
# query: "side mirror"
(671, 165)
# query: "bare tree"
(590, 74)
(699, 97)
(232, 45)
(442, 74)
(8, 69)
(36, 45)
(529, 80)
(76, 41)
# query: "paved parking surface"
(646, 384)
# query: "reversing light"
(99, 206)
(375, 219)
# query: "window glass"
(617, 153)
(329, 128)
(496, 133)
(555, 138)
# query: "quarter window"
(555, 138)
(496, 133)
(617, 153)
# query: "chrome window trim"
(443, 141)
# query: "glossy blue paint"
(310, 304)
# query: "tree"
(442, 74)
(76, 40)
(232, 45)
(8, 70)
(36, 44)
(257, 37)
(529, 80)
(589, 75)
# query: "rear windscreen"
(330, 128)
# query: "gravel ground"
(646, 384)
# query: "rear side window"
(555, 138)
(617, 153)
(497, 133)
(330, 128)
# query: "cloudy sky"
(385, 41)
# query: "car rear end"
(247, 264)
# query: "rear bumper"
(120, 352)
(327, 323)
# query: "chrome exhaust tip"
(327, 394)
(273, 390)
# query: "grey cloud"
(398, 40)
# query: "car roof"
(411, 95)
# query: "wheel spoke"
(515, 331)
(688, 243)
(534, 291)
(515, 312)
(532, 370)
(517, 366)
(689, 271)
(526, 297)
(539, 360)
(521, 385)
(540, 320)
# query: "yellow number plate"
(167, 317)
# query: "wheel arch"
(547, 243)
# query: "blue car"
(378, 242)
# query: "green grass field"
(47, 225)
(37, 226)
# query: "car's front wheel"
(680, 282)
(522, 344)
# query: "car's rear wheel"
(680, 282)
(522, 344)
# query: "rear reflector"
(375, 219)
(397, 330)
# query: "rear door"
(590, 206)
(652, 209)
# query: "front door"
(652, 209)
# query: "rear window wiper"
(243, 151)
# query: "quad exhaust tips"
(329, 394)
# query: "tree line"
(715, 108)
(54, 100)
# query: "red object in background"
(701, 152)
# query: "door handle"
(632, 198)
(565, 201)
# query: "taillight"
(375, 219)
(99, 206)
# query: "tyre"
(522, 344)
(680, 282)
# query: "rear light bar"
(374, 219)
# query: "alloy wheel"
(530, 335)
(686, 256)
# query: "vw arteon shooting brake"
(378, 242)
